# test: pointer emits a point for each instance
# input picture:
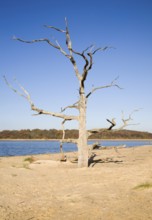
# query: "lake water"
(14, 148)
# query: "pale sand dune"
(50, 190)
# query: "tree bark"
(82, 141)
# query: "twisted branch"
(88, 61)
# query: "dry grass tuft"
(145, 185)
(29, 159)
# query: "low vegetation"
(57, 134)
(145, 185)
(29, 159)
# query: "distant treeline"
(57, 134)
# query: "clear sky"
(49, 76)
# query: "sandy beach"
(116, 186)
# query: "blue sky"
(49, 76)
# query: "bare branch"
(127, 120)
(89, 47)
(63, 136)
(98, 130)
(69, 46)
(112, 84)
(75, 105)
(90, 54)
(55, 28)
(83, 56)
(63, 130)
(75, 68)
(39, 111)
(25, 94)
(68, 39)
(37, 40)
(101, 49)
(135, 110)
(61, 49)
(93, 131)
(56, 47)
(112, 122)
(88, 63)
(55, 114)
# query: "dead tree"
(113, 124)
(80, 105)
(127, 120)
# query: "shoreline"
(117, 139)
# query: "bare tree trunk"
(82, 141)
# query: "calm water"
(12, 148)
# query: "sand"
(48, 189)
